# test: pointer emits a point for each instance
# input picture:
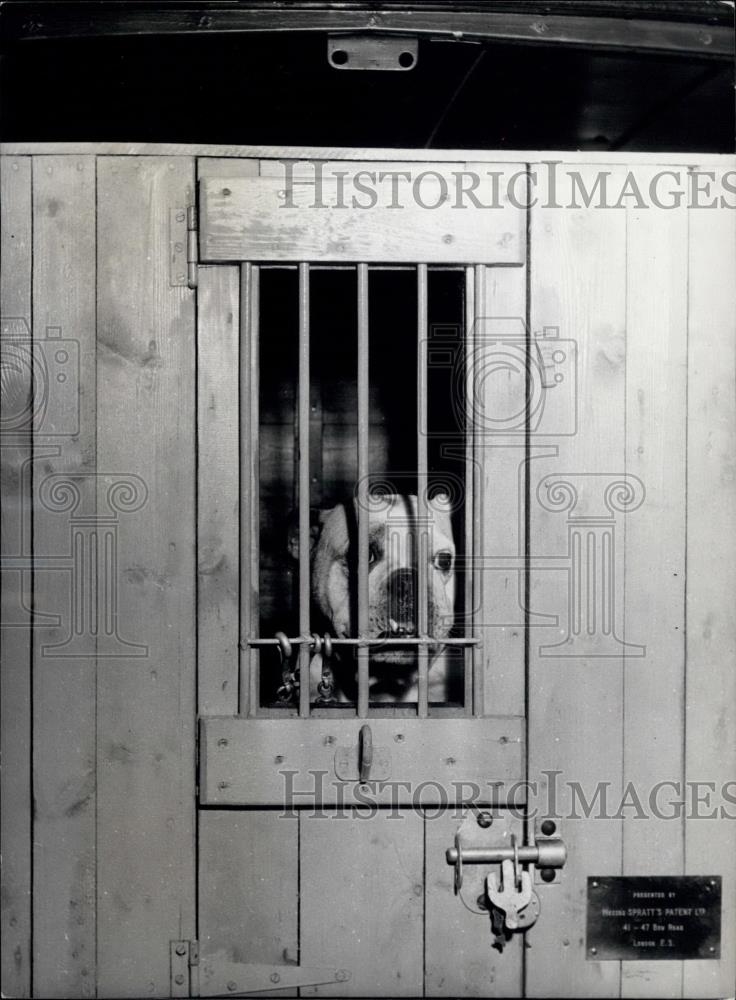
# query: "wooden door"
(338, 885)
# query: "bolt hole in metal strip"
(304, 533)
(362, 489)
(422, 521)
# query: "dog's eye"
(443, 562)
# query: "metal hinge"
(183, 247)
(184, 968)
(217, 976)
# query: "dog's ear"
(316, 520)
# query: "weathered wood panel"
(218, 479)
(417, 218)
(362, 900)
(15, 675)
(254, 761)
(653, 611)
(460, 960)
(146, 703)
(499, 458)
(248, 893)
(710, 719)
(64, 676)
(578, 285)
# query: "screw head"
(181, 949)
(548, 827)
(484, 820)
(179, 979)
(275, 977)
(232, 986)
(222, 742)
(547, 874)
(482, 902)
(593, 951)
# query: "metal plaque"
(654, 917)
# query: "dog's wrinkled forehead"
(393, 522)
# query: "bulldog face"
(392, 572)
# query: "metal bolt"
(181, 277)
(279, 759)
(484, 819)
(179, 979)
(223, 784)
(226, 191)
(181, 949)
(222, 742)
(399, 737)
(179, 247)
(593, 951)
(232, 986)
(329, 740)
(181, 217)
(548, 874)
(548, 827)
(482, 902)
(275, 977)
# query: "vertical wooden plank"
(64, 675)
(218, 485)
(710, 722)
(361, 893)
(575, 719)
(146, 428)
(248, 888)
(656, 377)
(460, 960)
(500, 547)
(15, 675)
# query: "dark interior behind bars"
(333, 422)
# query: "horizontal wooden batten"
(369, 212)
(262, 762)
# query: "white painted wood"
(372, 215)
(362, 901)
(64, 672)
(218, 478)
(146, 339)
(16, 242)
(256, 762)
(575, 723)
(710, 693)
(654, 611)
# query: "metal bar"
(249, 462)
(479, 306)
(303, 499)
(362, 488)
(469, 464)
(547, 853)
(609, 30)
(422, 523)
(299, 640)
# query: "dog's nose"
(401, 590)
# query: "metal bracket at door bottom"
(219, 976)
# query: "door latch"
(509, 895)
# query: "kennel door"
(347, 362)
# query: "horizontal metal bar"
(399, 641)
(371, 267)
(537, 26)
(550, 853)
